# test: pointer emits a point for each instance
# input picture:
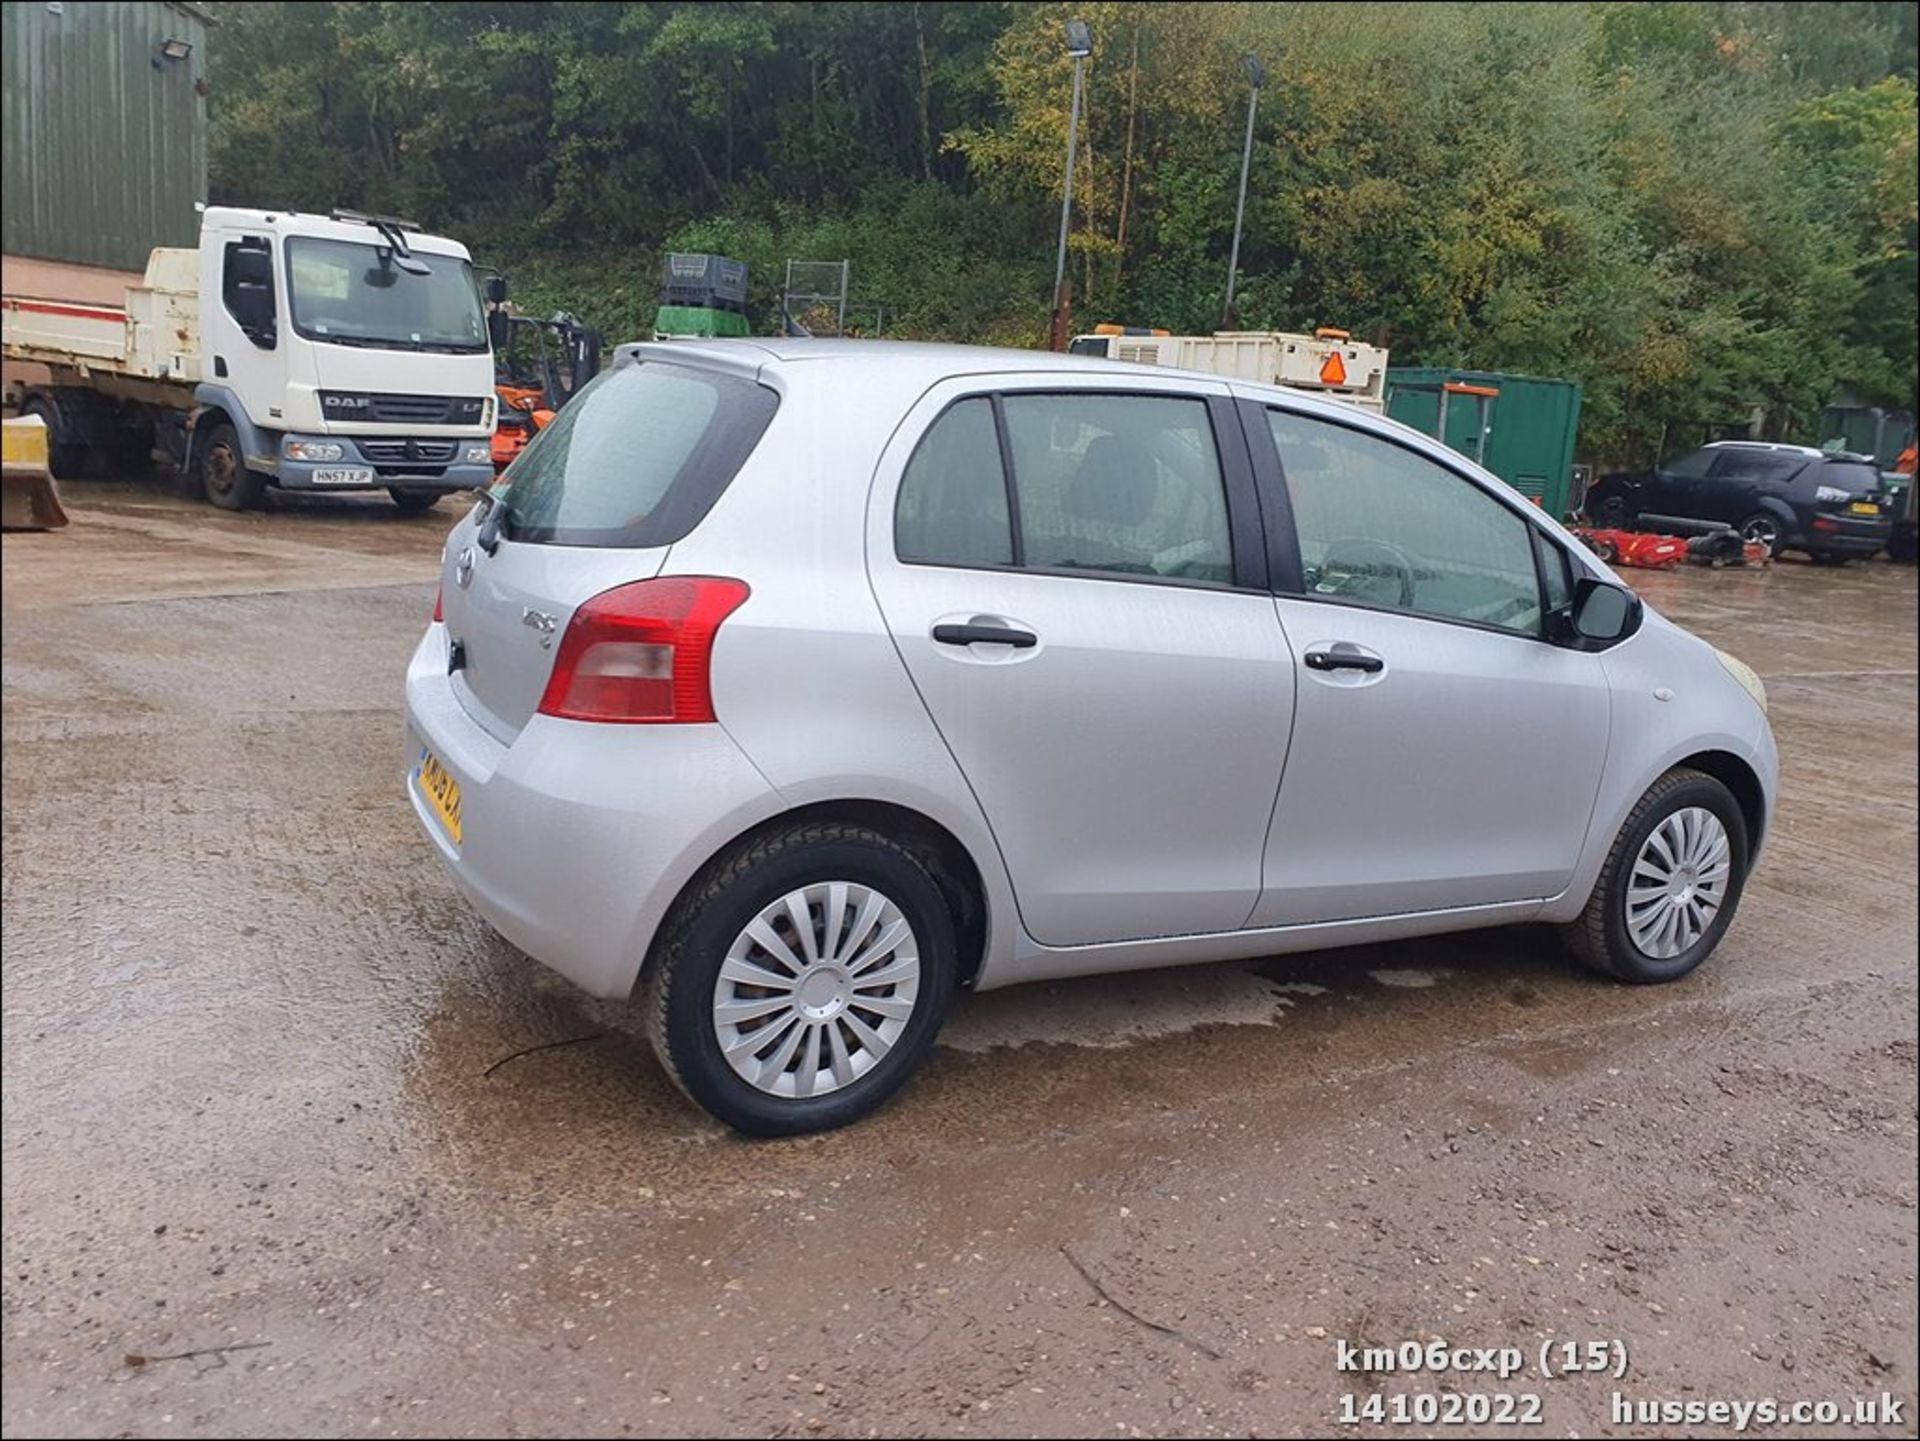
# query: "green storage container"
(1524, 434)
(698, 320)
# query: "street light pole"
(1079, 46)
(1256, 72)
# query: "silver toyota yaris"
(794, 685)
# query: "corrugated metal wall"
(105, 153)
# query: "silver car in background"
(791, 686)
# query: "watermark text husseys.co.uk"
(1886, 1409)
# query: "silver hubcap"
(1679, 883)
(816, 990)
(1763, 531)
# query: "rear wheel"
(413, 502)
(802, 979)
(1763, 529)
(1671, 883)
(67, 458)
(224, 477)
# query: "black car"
(1789, 497)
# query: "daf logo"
(539, 620)
(463, 568)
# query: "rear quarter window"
(636, 459)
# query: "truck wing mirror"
(251, 268)
(496, 291)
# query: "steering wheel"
(1368, 570)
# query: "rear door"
(1745, 482)
(629, 466)
(1075, 580)
(1444, 753)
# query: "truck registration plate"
(344, 475)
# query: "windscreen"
(347, 293)
(635, 459)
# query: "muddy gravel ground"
(269, 1170)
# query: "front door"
(1090, 641)
(1444, 753)
(243, 320)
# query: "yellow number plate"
(1864, 507)
(442, 792)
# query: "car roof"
(934, 361)
(929, 362)
(1807, 450)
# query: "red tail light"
(640, 653)
(437, 617)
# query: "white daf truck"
(311, 352)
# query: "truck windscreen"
(347, 293)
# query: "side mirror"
(1603, 611)
(250, 268)
(496, 291)
(498, 329)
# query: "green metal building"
(105, 128)
(1519, 427)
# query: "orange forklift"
(538, 366)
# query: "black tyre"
(1671, 884)
(224, 477)
(801, 978)
(1829, 557)
(1613, 514)
(1903, 544)
(1766, 529)
(413, 502)
(67, 458)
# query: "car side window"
(1382, 525)
(952, 507)
(1129, 484)
(1691, 466)
(1556, 573)
(1766, 465)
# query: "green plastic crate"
(696, 320)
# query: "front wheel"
(413, 502)
(802, 980)
(1670, 885)
(224, 476)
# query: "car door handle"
(1344, 660)
(990, 634)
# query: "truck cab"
(344, 352)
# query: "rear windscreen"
(1850, 475)
(635, 459)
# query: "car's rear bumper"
(576, 837)
(1846, 534)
